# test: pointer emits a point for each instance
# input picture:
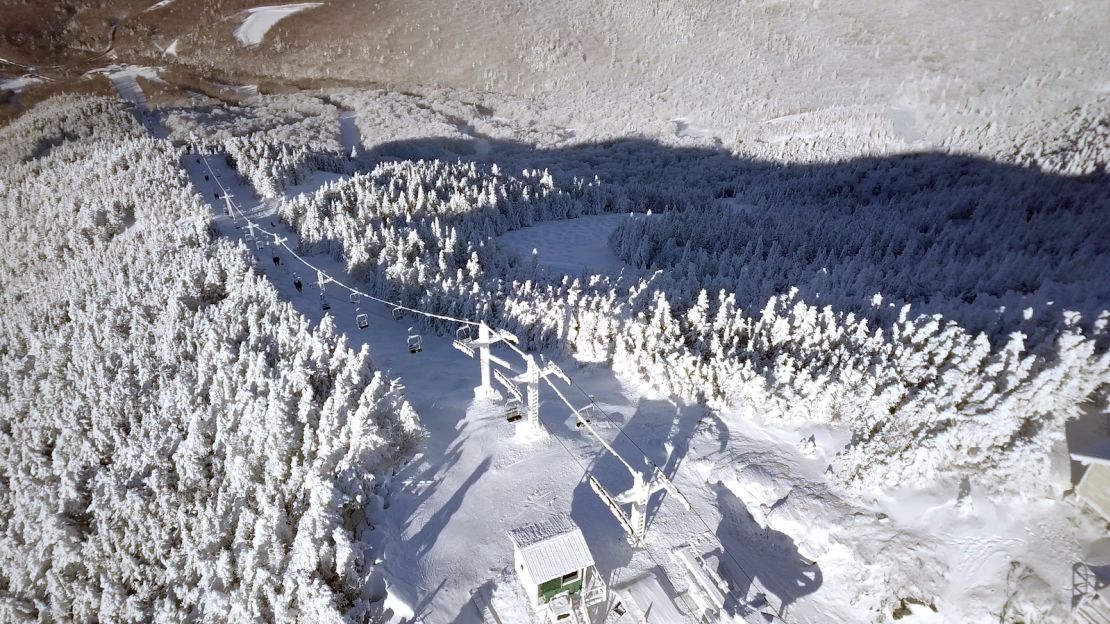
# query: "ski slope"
(570, 246)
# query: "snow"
(765, 509)
(475, 479)
(903, 118)
(756, 489)
(124, 79)
(242, 90)
(648, 601)
(259, 20)
(568, 246)
(159, 5)
(19, 84)
(349, 133)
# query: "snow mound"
(261, 19)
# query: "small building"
(1089, 442)
(553, 562)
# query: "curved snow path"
(261, 19)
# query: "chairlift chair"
(513, 411)
(324, 305)
(462, 334)
(354, 298)
(398, 313)
(587, 413)
(416, 344)
(363, 321)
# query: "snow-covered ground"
(570, 246)
(159, 5)
(260, 20)
(19, 84)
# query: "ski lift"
(513, 411)
(259, 245)
(324, 305)
(363, 321)
(586, 414)
(354, 298)
(462, 334)
(416, 345)
(398, 313)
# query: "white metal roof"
(552, 548)
(1089, 436)
(1095, 488)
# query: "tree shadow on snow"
(661, 432)
(431, 530)
(973, 240)
(756, 552)
(993, 247)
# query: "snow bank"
(932, 555)
(260, 19)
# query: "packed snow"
(260, 20)
(20, 83)
(569, 246)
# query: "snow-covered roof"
(552, 548)
(1089, 437)
(1095, 488)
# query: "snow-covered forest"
(177, 442)
(948, 310)
(819, 288)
